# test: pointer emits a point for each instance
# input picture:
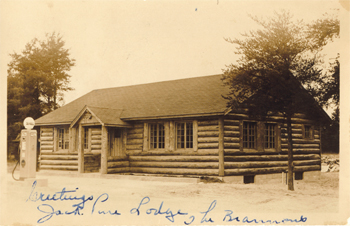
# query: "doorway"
(115, 142)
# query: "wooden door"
(115, 141)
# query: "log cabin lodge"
(180, 127)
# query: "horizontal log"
(231, 145)
(172, 171)
(254, 171)
(297, 130)
(231, 122)
(229, 152)
(96, 137)
(59, 157)
(46, 138)
(301, 141)
(302, 151)
(52, 167)
(208, 134)
(208, 122)
(135, 136)
(260, 164)
(117, 158)
(231, 133)
(47, 134)
(231, 128)
(208, 128)
(317, 145)
(245, 158)
(46, 147)
(192, 165)
(135, 131)
(96, 147)
(134, 141)
(208, 145)
(46, 130)
(118, 164)
(59, 162)
(46, 143)
(231, 139)
(307, 162)
(96, 132)
(317, 136)
(44, 152)
(176, 152)
(307, 168)
(95, 142)
(134, 147)
(118, 170)
(208, 140)
(175, 158)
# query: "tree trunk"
(290, 153)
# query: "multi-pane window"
(157, 136)
(184, 135)
(249, 135)
(270, 135)
(63, 138)
(86, 138)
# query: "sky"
(119, 43)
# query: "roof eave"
(172, 116)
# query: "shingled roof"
(178, 98)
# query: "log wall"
(96, 138)
(306, 152)
(92, 162)
(201, 160)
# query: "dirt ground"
(167, 201)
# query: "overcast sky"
(118, 43)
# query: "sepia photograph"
(149, 112)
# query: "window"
(249, 135)
(308, 132)
(63, 138)
(157, 136)
(270, 135)
(86, 138)
(184, 135)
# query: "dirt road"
(101, 201)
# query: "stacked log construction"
(306, 152)
(96, 137)
(118, 164)
(201, 160)
(92, 162)
(50, 160)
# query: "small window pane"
(270, 134)
(249, 135)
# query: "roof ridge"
(172, 80)
(89, 106)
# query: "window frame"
(185, 135)
(311, 132)
(62, 138)
(275, 136)
(260, 136)
(255, 135)
(157, 141)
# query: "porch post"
(221, 147)
(104, 151)
(80, 150)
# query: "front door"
(115, 142)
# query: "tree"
(264, 78)
(37, 78)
